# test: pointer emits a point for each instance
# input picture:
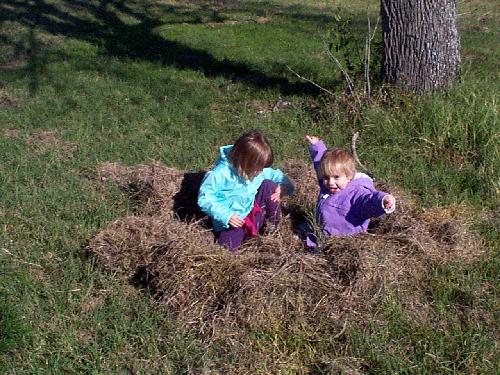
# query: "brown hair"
(337, 161)
(251, 153)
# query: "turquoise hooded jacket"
(223, 192)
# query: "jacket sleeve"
(316, 152)
(208, 201)
(277, 175)
(370, 204)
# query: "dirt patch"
(262, 20)
(84, 337)
(7, 100)
(41, 142)
(259, 106)
(12, 133)
(258, 20)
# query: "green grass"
(168, 83)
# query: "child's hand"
(276, 196)
(235, 221)
(389, 201)
(312, 139)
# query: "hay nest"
(271, 283)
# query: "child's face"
(337, 182)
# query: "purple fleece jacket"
(348, 211)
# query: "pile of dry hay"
(271, 283)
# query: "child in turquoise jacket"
(242, 190)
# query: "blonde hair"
(251, 153)
(335, 162)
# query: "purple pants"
(233, 237)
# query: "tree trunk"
(421, 43)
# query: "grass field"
(88, 82)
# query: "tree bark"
(421, 43)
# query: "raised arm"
(277, 176)
(316, 150)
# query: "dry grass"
(44, 141)
(12, 133)
(41, 142)
(7, 99)
(272, 284)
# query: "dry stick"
(347, 77)
(316, 306)
(354, 153)
(484, 14)
(311, 82)
(368, 45)
(341, 331)
(367, 60)
(471, 12)
(350, 83)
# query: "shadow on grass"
(100, 23)
(33, 63)
(185, 201)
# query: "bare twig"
(347, 77)
(368, 43)
(350, 83)
(354, 153)
(311, 82)
(471, 12)
(341, 331)
(367, 60)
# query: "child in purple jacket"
(347, 200)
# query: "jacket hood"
(361, 179)
(224, 152)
